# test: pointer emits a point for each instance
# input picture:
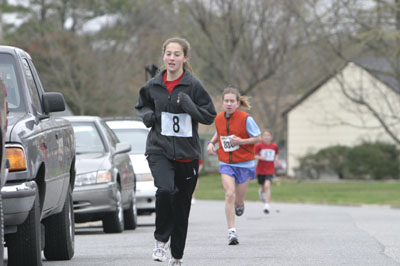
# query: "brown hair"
(185, 47)
(267, 130)
(244, 100)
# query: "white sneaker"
(175, 262)
(266, 208)
(193, 201)
(232, 237)
(160, 251)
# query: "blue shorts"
(241, 174)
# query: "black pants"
(175, 182)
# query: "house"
(330, 113)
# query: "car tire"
(114, 222)
(24, 246)
(60, 232)
(130, 215)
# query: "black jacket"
(154, 99)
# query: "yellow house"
(331, 113)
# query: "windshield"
(136, 137)
(87, 138)
(9, 76)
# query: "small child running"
(267, 153)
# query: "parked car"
(37, 200)
(105, 180)
(134, 132)
(3, 158)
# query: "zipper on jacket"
(227, 131)
(173, 138)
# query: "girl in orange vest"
(236, 135)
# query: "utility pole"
(152, 70)
(1, 22)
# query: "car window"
(136, 137)
(110, 134)
(87, 138)
(10, 77)
(32, 86)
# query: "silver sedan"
(134, 132)
(105, 180)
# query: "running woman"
(172, 104)
(237, 132)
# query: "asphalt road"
(292, 234)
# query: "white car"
(134, 132)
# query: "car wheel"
(24, 247)
(130, 215)
(60, 232)
(114, 222)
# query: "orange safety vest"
(234, 125)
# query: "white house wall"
(328, 118)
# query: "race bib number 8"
(177, 125)
(227, 145)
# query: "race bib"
(177, 125)
(268, 154)
(227, 145)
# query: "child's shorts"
(241, 174)
(261, 178)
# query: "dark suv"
(40, 148)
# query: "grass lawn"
(344, 192)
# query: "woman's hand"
(235, 141)
(211, 148)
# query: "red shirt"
(266, 167)
(171, 84)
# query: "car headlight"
(92, 178)
(144, 177)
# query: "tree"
(240, 42)
(98, 70)
(246, 44)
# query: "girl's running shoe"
(232, 238)
(160, 251)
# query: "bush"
(374, 161)
(365, 161)
(330, 160)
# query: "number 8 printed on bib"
(177, 125)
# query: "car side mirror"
(53, 102)
(122, 148)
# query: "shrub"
(374, 161)
(365, 161)
(329, 160)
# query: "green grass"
(344, 192)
